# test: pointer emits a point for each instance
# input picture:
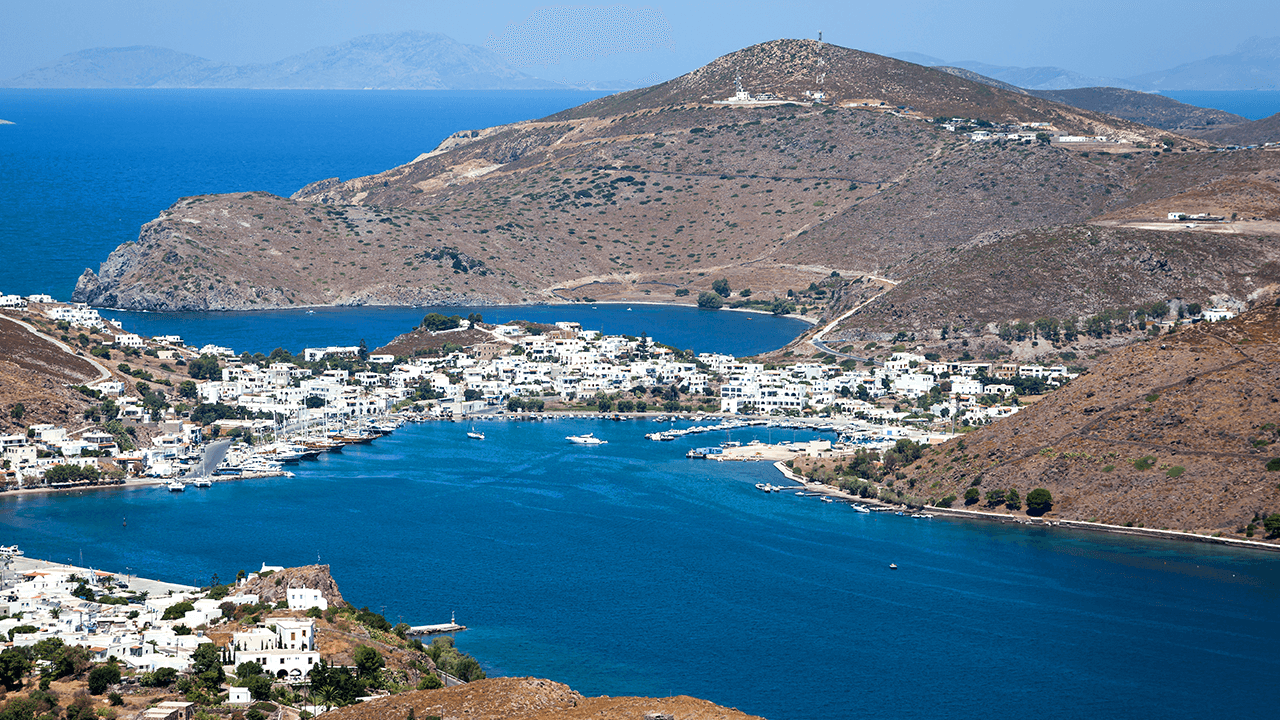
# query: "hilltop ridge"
(835, 163)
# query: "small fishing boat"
(893, 566)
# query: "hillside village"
(285, 407)
(280, 639)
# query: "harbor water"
(626, 568)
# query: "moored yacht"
(588, 439)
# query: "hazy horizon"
(644, 43)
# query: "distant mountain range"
(398, 61)
(1253, 65)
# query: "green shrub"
(1144, 463)
(1175, 471)
(1039, 501)
(177, 610)
(946, 501)
(1012, 500)
(101, 677)
(1274, 465)
(430, 681)
(1272, 525)
(971, 496)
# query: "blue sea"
(1251, 104)
(628, 569)
(685, 327)
(82, 170)
(620, 569)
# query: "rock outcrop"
(272, 588)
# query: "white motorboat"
(588, 439)
(475, 435)
(176, 486)
(10, 551)
(861, 508)
(203, 483)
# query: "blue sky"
(655, 41)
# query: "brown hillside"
(420, 341)
(1202, 404)
(1266, 130)
(529, 699)
(37, 373)
(790, 68)
(644, 194)
(1064, 273)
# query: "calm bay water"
(688, 328)
(627, 569)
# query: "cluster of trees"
(205, 367)
(1039, 501)
(59, 474)
(435, 322)
(251, 675)
(207, 413)
(62, 661)
(1099, 325)
(453, 661)
(516, 404)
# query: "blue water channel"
(628, 569)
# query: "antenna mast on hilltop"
(819, 36)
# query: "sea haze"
(627, 569)
(82, 170)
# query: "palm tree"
(328, 694)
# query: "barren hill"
(1154, 110)
(1174, 433)
(1065, 272)
(654, 191)
(529, 699)
(36, 373)
(1266, 130)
